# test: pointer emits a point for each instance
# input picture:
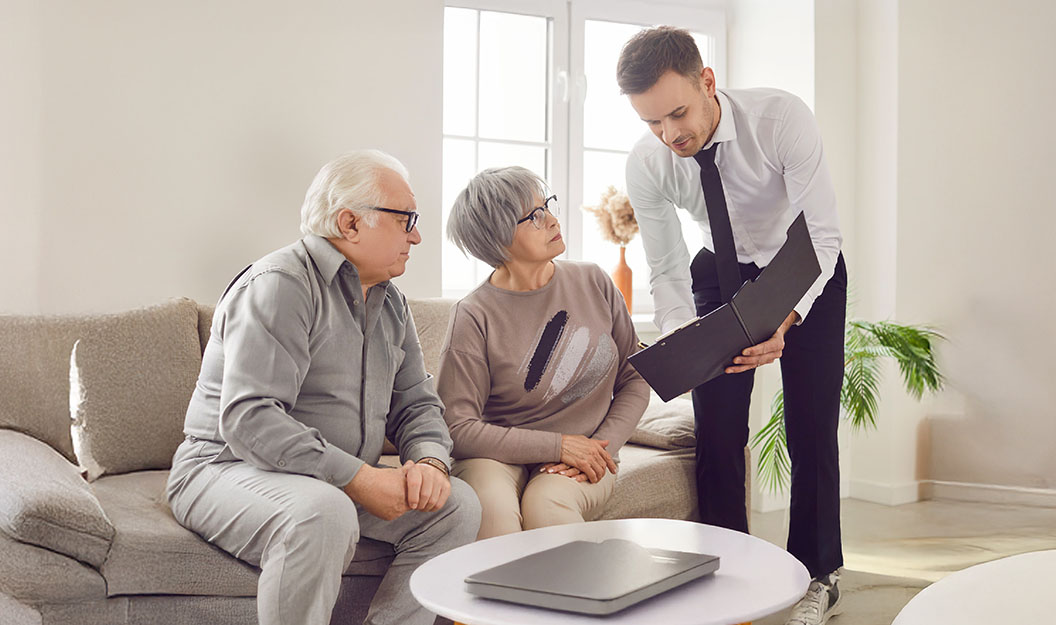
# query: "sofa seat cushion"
(131, 377)
(654, 483)
(153, 554)
(44, 501)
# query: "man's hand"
(766, 352)
(587, 455)
(427, 487)
(560, 468)
(382, 492)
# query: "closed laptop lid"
(598, 571)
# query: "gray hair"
(349, 181)
(484, 216)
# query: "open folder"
(702, 348)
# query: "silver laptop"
(590, 577)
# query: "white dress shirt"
(772, 167)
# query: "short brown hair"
(654, 51)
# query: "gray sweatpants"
(302, 533)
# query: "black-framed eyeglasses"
(412, 216)
(538, 214)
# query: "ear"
(707, 81)
(348, 225)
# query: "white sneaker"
(821, 602)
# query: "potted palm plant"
(866, 345)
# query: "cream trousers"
(515, 497)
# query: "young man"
(743, 164)
(313, 360)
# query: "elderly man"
(312, 362)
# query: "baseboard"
(884, 493)
(989, 493)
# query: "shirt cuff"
(803, 307)
(338, 467)
(429, 450)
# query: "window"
(533, 84)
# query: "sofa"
(91, 410)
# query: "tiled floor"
(891, 552)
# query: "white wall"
(170, 144)
(20, 125)
(771, 44)
(884, 463)
(954, 158)
(977, 148)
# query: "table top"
(1017, 589)
(755, 578)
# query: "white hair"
(349, 181)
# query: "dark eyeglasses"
(538, 214)
(412, 216)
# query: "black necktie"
(721, 231)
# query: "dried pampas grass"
(615, 217)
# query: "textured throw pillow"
(131, 377)
(205, 323)
(35, 376)
(666, 425)
(431, 320)
(44, 501)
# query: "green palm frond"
(912, 348)
(866, 345)
(861, 377)
(774, 466)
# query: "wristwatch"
(436, 463)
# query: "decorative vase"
(621, 275)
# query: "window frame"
(568, 88)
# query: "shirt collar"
(327, 258)
(727, 128)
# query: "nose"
(414, 237)
(670, 132)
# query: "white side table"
(755, 578)
(1017, 589)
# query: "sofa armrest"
(44, 501)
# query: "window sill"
(643, 325)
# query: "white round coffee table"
(755, 578)
(1017, 589)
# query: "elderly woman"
(534, 373)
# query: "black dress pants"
(812, 376)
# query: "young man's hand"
(766, 352)
(382, 492)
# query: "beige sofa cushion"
(44, 501)
(34, 575)
(654, 484)
(205, 323)
(153, 554)
(35, 385)
(666, 425)
(431, 319)
(131, 377)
